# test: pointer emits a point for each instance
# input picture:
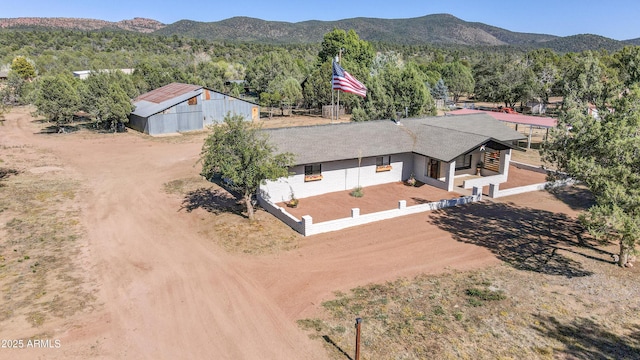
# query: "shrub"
(357, 192)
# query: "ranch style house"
(432, 150)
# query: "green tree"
(440, 91)
(357, 55)
(23, 67)
(57, 99)
(458, 79)
(586, 78)
(239, 152)
(628, 62)
(270, 100)
(317, 87)
(270, 66)
(106, 95)
(544, 64)
(16, 90)
(604, 155)
(408, 90)
(289, 91)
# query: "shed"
(181, 107)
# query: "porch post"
(450, 174)
(505, 159)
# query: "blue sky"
(616, 19)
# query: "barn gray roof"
(164, 97)
(443, 138)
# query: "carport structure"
(534, 122)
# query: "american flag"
(343, 81)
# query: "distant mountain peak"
(432, 29)
(138, 24)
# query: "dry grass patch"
(529, 156)
(495, 313)
(222, 220)
(39, 225)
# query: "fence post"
(358, 324)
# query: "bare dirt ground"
(157, 275)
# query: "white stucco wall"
(339, 176)
(420, 173)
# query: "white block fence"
(306, 227)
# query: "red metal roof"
(546, 122)
(167, 92)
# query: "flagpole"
(338, 110)
(332, 101)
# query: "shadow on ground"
(585, 339)
(337, 348)
(528, 239)
(213, 201)
(576, 197)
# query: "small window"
(463, 162)
(383, 163)
(313, 172)
(383, 160)
(193, 101)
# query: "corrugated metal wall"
(211, 108)
(219, 105)
(180, 118)
(138, 123)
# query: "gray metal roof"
(443, 138)
(162, 98)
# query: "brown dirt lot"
(150, 271)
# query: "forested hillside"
(436, 29)
(136, 24)
(401, 78)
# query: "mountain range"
(436, 29)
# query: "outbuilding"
(178, 107)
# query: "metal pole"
(339, 62)
(358, 324)
(338, 110)
(333, 109)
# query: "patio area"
(338, 205)
(519, 175)
(377, 198)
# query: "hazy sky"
(616, 19)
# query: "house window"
(432, 168)
(193, 101)
(463, 162)
(313, 172)
(383, 163)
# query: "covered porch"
(483, 165)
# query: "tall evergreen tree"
(604, 154)
(57, 99)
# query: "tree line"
(403, 80)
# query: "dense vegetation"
(401, 78)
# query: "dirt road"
(165, 291)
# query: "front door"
(433, 168)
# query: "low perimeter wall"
(306, 227)
(495, 192)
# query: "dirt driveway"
(167, 291)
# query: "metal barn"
(180, 107)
